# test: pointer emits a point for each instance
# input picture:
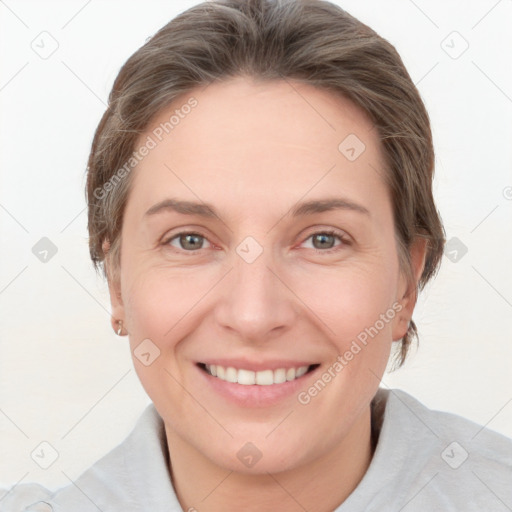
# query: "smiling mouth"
(256, 378)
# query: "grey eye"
(188, 241)
(323, 240)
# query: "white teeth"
(301, 371)
(290, 374)
(246, 377)
(231, 374)
(261, 378)
(265, 378)
(279, 376)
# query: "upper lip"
(256, 366)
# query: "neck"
(320, 485)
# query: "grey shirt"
(425, 460)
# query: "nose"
(256, 304)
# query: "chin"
(256, 457)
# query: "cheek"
(350, 299)
(160, 301)
(160, 306)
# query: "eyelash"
(330, 232)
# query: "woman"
(260, 201)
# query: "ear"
(408, 290)
(114, 288)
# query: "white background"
(65, 378)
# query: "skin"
(253, 150)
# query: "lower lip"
(255, 395)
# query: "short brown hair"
(311, 41)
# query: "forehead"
(279, 138)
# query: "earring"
(120, 329)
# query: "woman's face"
(279, 253)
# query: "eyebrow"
(301, 209)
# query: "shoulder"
(431, 458)
(132, 476)
(21, 496)
(464, 435)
